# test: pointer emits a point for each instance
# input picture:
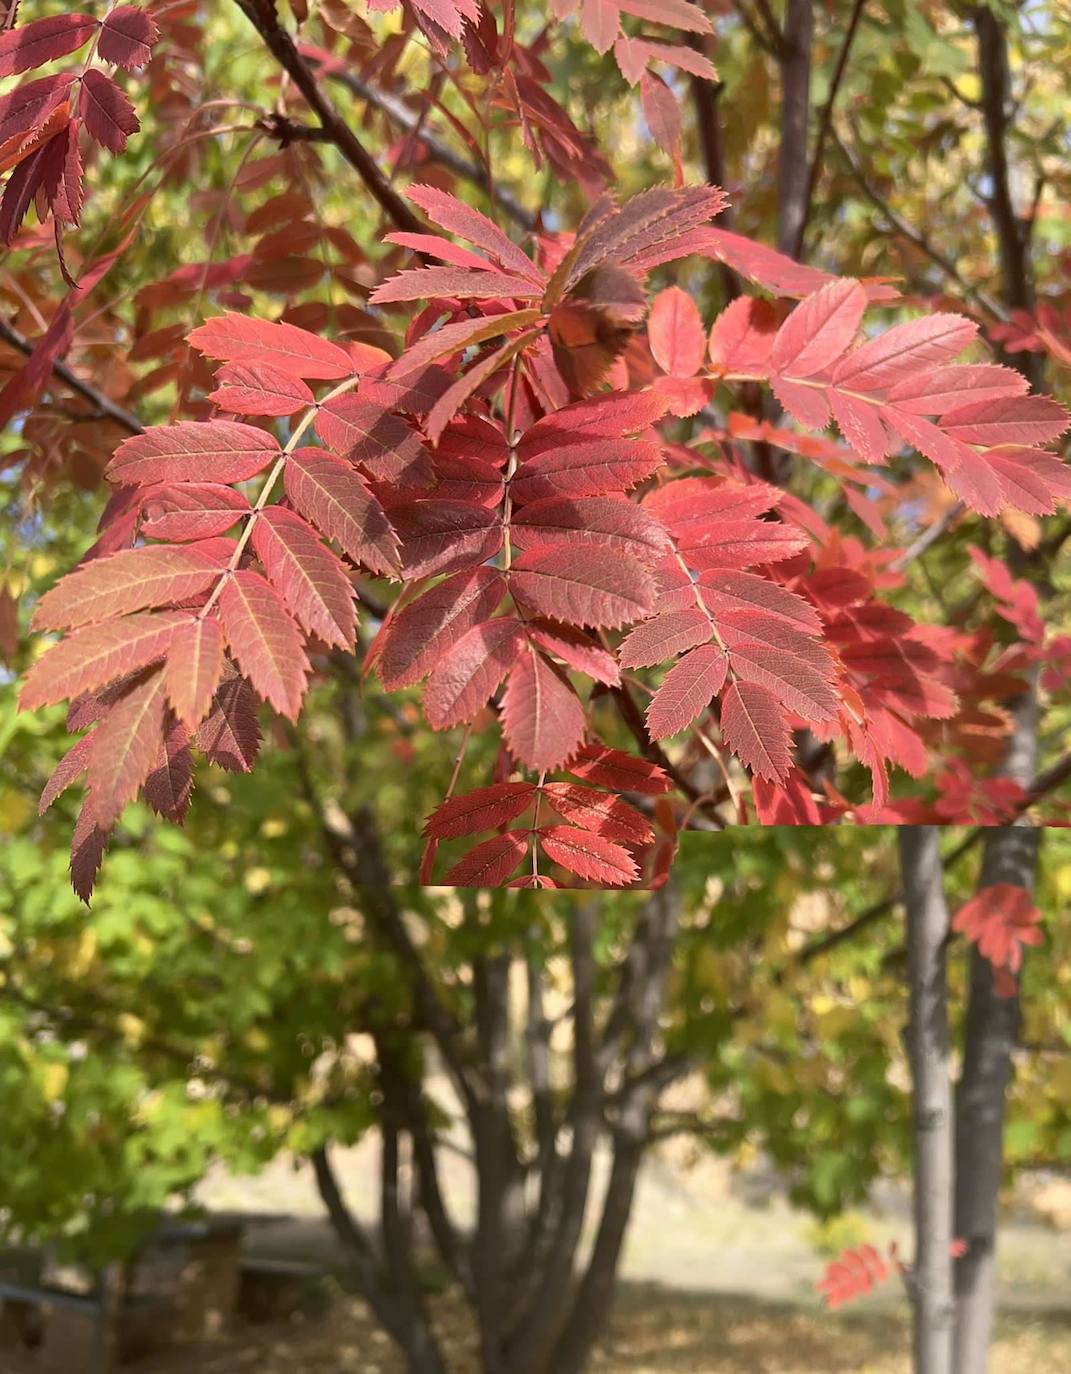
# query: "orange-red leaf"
(265, 641)
(131, 580)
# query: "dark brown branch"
(103, 404)
(261, 14)
(795, 113)
(396, 110)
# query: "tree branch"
(395, 110)
(103, 404)
(795, 111)
(261, 14)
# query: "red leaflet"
(169, 786)
(431, 246)
(583, 586)
(194, 510)
(216, 451)
(675, 333)
(819, 330)
(380, 442)
(598, 812)
(589, 856)
(731, 594)
(131, 580)
(229, 734)
(259, 389)
(264, 641)
(742, 336)
(648, 230)
(237, 338)
(611, 416)
(309, 577)
(443, 536)
(490, 863)
(69, 769)
(586, 469)
(542, 719)
(421, 633)
(936, 390)
(61, 174)
(327, 491)
(462, 682)
(108, 114)
(483, 809)
(622, 772)
(43, 40)
(687, 690)
(1009, 420)
(904, 350)
(429, 283)
(194, 668)
(88, 843)
(741, 544)
(591, 520)
(98, 655)
(455, 338)
(576, 650)
(127, 36)
(753, 726)
(457, 218)
(797, 669)
(664, 637)
(125, 746)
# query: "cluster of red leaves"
(535, 517)
(41, 120)
(1000, 919)
(859, 1270)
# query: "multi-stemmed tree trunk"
(538, 1264)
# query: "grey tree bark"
(928, 1037)
(991, 1034)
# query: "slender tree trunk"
(1010, 853)
(992, 1030)
(927, 931)
(792, 164)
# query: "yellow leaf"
(53, 1081)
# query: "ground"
(654, 1332)
(717, 1278)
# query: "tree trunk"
(927, 931)
(792, 166)
(992, 1029)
